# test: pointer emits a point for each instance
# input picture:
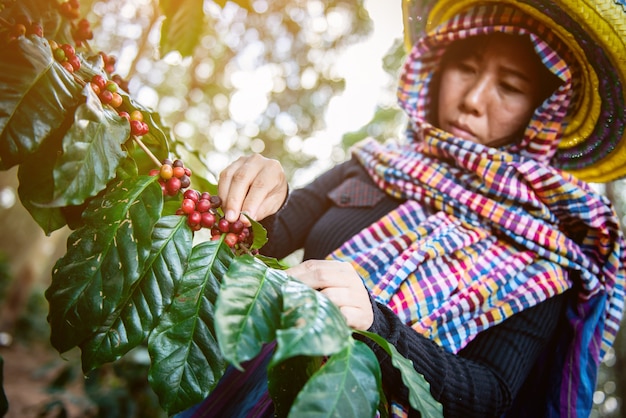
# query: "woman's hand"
(342, 285)
(255, 185)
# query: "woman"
(467, 247)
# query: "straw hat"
(593, 147)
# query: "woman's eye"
(510, 88)
(466, 67)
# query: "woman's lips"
(462, 131)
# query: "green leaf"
(104, 259)
(310, 324)
(419, 389)
(36, 93)
(37, 185)
(182, 27)
(138, 311)
(272, 262)
(346, 386)
(92, 151)
(259, 234)
(248, 308)
(186, 359)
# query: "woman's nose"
(475, 98)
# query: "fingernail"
(230, 215)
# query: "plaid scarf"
(486, 233)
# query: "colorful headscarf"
(486, 233)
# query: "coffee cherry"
(203, 205)
(166, 172)
(111, 86)
(243, 236)
(207, 220)
(230, 239)
(36, 29)
(178, 163)
(135, 127)
(59, 55)
(216, 202)
(144, 128)
(178, 171)
(95, 88)
(173, 186)
(74, 61)
(223, 225)
(188, 206)
(106, 97)
(192, 194)
(194, 218)
(68, 49)
(68, 67)
(99, 80)
(116, 100)
(185, 181)
(236, 227)
(137, 115)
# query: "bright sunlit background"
(367, 85)
(361, 65)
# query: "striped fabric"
(486, 233)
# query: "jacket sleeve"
(482, 379)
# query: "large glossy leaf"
(139, 310)
(419, 389)
(36, 187)
(36, 93)
(92, 151)
(311, 324)
(182, 27)
(104, 260)
(186, 360)
(248, 308)
(347, 386)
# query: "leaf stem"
(146, 150)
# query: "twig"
(146, 150)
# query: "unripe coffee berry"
(166, 172)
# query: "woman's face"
(490, 87)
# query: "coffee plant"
(136, 269)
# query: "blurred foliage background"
(259, 80)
